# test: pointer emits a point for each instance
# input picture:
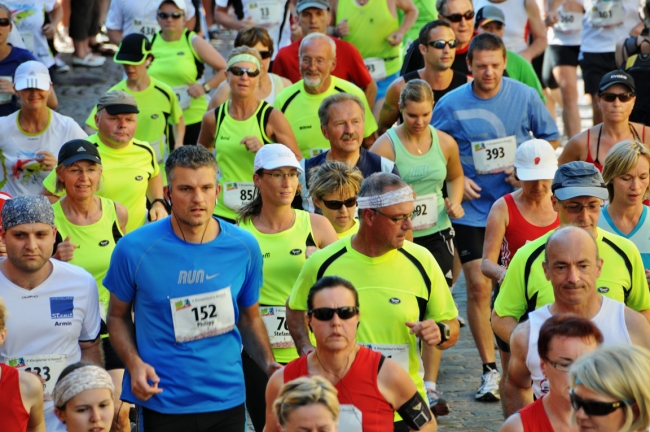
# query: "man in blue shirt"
(488, 118)
(194, 283)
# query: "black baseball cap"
(77, 150)
(616, 77)
(134, 49)
(118, 102)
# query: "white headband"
(393, 197)
(79, 380)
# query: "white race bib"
(266, 13)
(28, 39)
(426, 209)
(146, 27)
(350, 418)
(606, 13)
(238, 194)
(316, 151)
(397, 352)
(47, 366)
(377, 68)
(570, 22)
(5, 98)
(495, 155)
(275, 320)
(184, 98)
(203, 315)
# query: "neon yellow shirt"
(301, 110)
(125, 177)
(525, 288)
(352, 231)
(402, 285)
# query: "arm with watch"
(158, 208)
(441, 335)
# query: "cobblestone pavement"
(460, 372)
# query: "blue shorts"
(382, 86)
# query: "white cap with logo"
(32, 74)
(273, 156)
(535, 159)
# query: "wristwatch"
(207, 87)
(445, 333)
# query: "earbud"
(310, 329)
(148, 62)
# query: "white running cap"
(535, 159)
(32, 74)
(273, 156)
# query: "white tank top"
(276, 88)
(514, 36)
(568, 31)
(610, 320)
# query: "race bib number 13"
(495, 155)
(48, 367)
(203, 315)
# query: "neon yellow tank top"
(284, 256)
(95, 244)
(235, 161)
(374, 19)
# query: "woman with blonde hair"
(307, 403)
(627, 175)
(334, 187)
(609, 389)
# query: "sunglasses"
(165, 15)
(239, 71)
(456, 18)
(611, 97)
(265, 54)
(4, 22)
(594, 408)
(440, 44)
(336, 205)
(326, 314)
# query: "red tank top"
(519, 232)
(358, 387)
(534, 418)
(12, 411)
(596, 162)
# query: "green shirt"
(525, 287)
(125, 177)
(402, 285)
(301, 110)
(520, 69)
(158, 108)
(284, 257)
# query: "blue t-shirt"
(640, 235)
(158, 271)
(516, 110)
(8, 66)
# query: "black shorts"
(558, 55)
(469, 242)
(84, 19)
(594, 66)
(441, 246)
(111, 359)
(230, 420)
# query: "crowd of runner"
(275, 235)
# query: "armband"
(415, 412)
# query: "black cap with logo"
(77, 150)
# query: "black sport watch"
(445, 333)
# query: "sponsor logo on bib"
(603, 290)
(395, 300)
(104, 243)
(139, 178)
(296, 252)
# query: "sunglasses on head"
(239, 71)
(326, 314)
(165, 15)
(594, 408)
(336, 205)
(440, 43)
(4, 22)
(456, 18)
(265, 54)
(611, 97)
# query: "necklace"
(347, 361)
(408, 136)
(293, 218)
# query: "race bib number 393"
(495, 155)
(377, 68)
(48, 367)
(203, 315)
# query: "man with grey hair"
(54, 305)
(300, 102)
(131, 174)
(341, 119)
(395, 279)
(193, 312)
(572, 265)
